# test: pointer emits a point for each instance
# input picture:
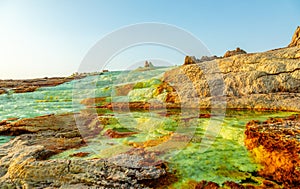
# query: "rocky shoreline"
(30, 85)
(260, 81)
(268, 80)
(24, 160)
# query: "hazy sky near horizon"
(41, 38)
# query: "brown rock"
(208, 58)
(24, 160)
(130, 105)
(115, 134)
(3, 122)
(233, 185)
(25, 89)
(150, 143)
(163, 182)
(189, 60)
(63, 125)
(275, 144)
(146, 64)
(296, 38)
(12, 119)
(172, 96)
(204, 115)
(123, 90)
(30, 85)
(22, 168)
(93, 101)
(202, 185)
(234, 52)
(140, 105)
(80, 154)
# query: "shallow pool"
(224, 158)
(67, 96)
(195, 148)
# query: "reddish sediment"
(116, 134)
(79, 154)
(275, 144)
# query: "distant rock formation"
(296, 38)
(189, 60)
(234, 52)
(193, 60)
(208, 58)
(31, 85)
(148, 64)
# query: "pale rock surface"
(24, 160)
(296, 38)
(268, 80)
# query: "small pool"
(226, 158)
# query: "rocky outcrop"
(30, 85)
(193, 60)
(62, 125)
(296, 38)
(208, 58)
(22, 166)
(268, 80)
(237, 51)
(275, 144)
(189, 60)
(24, 160)
(261, 81)
(148, 64)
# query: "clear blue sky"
(50, 37)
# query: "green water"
(226, 159)
(66, 97)
(4, 139)
(44, 101)
(220, 158)
(49, 100)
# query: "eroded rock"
(116, 134)
(31, 85)
(268, 80)
(189, 60)
(237, 51)
(24, 160)
(296, 38)
(275, 144)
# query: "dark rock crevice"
(278, 73)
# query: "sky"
(40, 38)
